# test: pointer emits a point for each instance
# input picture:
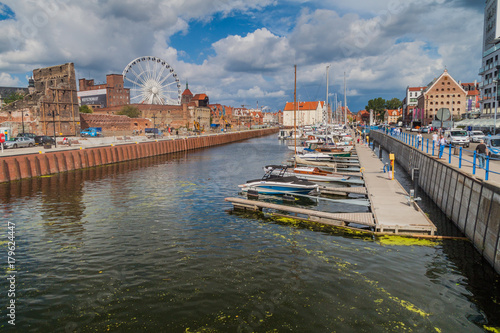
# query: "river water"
(151, 246)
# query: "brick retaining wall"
(34, 165)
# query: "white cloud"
(8, 81)
(383, 46)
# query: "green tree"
(15, 96)
(378, 106)
(393, 104)
(85, 109)
(130, 111)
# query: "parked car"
(424, 129)
(493, 144)
(26, 135)
(19, 142)
(476, 136)
(457, 137)
(43, 139)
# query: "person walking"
(419, 140)
(435, 139)
(482, 152)
(442, 143)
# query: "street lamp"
(154, 125)
(22, 120)
(496, 105)
(54, 114)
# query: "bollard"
(415, 177)
(392, 158)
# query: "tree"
(377, 105)
(130, 111)
(85, 109)
(393, 104)
(15, 96)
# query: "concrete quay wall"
(34, 165)
(471, 203)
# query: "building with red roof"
(306, 113)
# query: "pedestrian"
(177, 132)
(65, 141)
(435, 139)
(442, 143)
(482, 152)
(419, 140)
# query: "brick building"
(112, 93)
(442, 92)
(52, 105)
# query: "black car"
(43, 139)
(26, 135)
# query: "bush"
(86, 109)
(130, 111)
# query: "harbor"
(388, 201)
(153, 239)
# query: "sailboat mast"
(327, 118)
(295, 114)
(345, 103)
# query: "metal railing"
(447, 152)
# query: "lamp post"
(53, 114)
(22, 120)
(154, 125)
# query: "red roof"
(416, 88)
(187, 92)
(200, 97)
(303, 106)
(472, 92)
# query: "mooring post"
(380, 151)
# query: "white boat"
(309, 173)
(279, 183)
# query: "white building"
(490, 64)
(410, 102)
(307, 113)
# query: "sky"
(243, 52)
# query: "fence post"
(460, 159)
(474, 163)
(427, 146)
(449, 155)
(487, 168)
(433, 147)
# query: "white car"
(457, 137)
(476, 136)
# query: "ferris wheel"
(153, 81)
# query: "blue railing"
(430, 147)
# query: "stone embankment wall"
(35, 165)
(471, 203)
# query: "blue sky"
(243, 52)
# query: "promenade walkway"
(463, 161)
(388, 198)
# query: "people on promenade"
(435, 139)
(442, 143)
(419, 140)
(482, 152)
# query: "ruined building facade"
(51, 107)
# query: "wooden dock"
(343, 190)
(335, 219)
(389, 200)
